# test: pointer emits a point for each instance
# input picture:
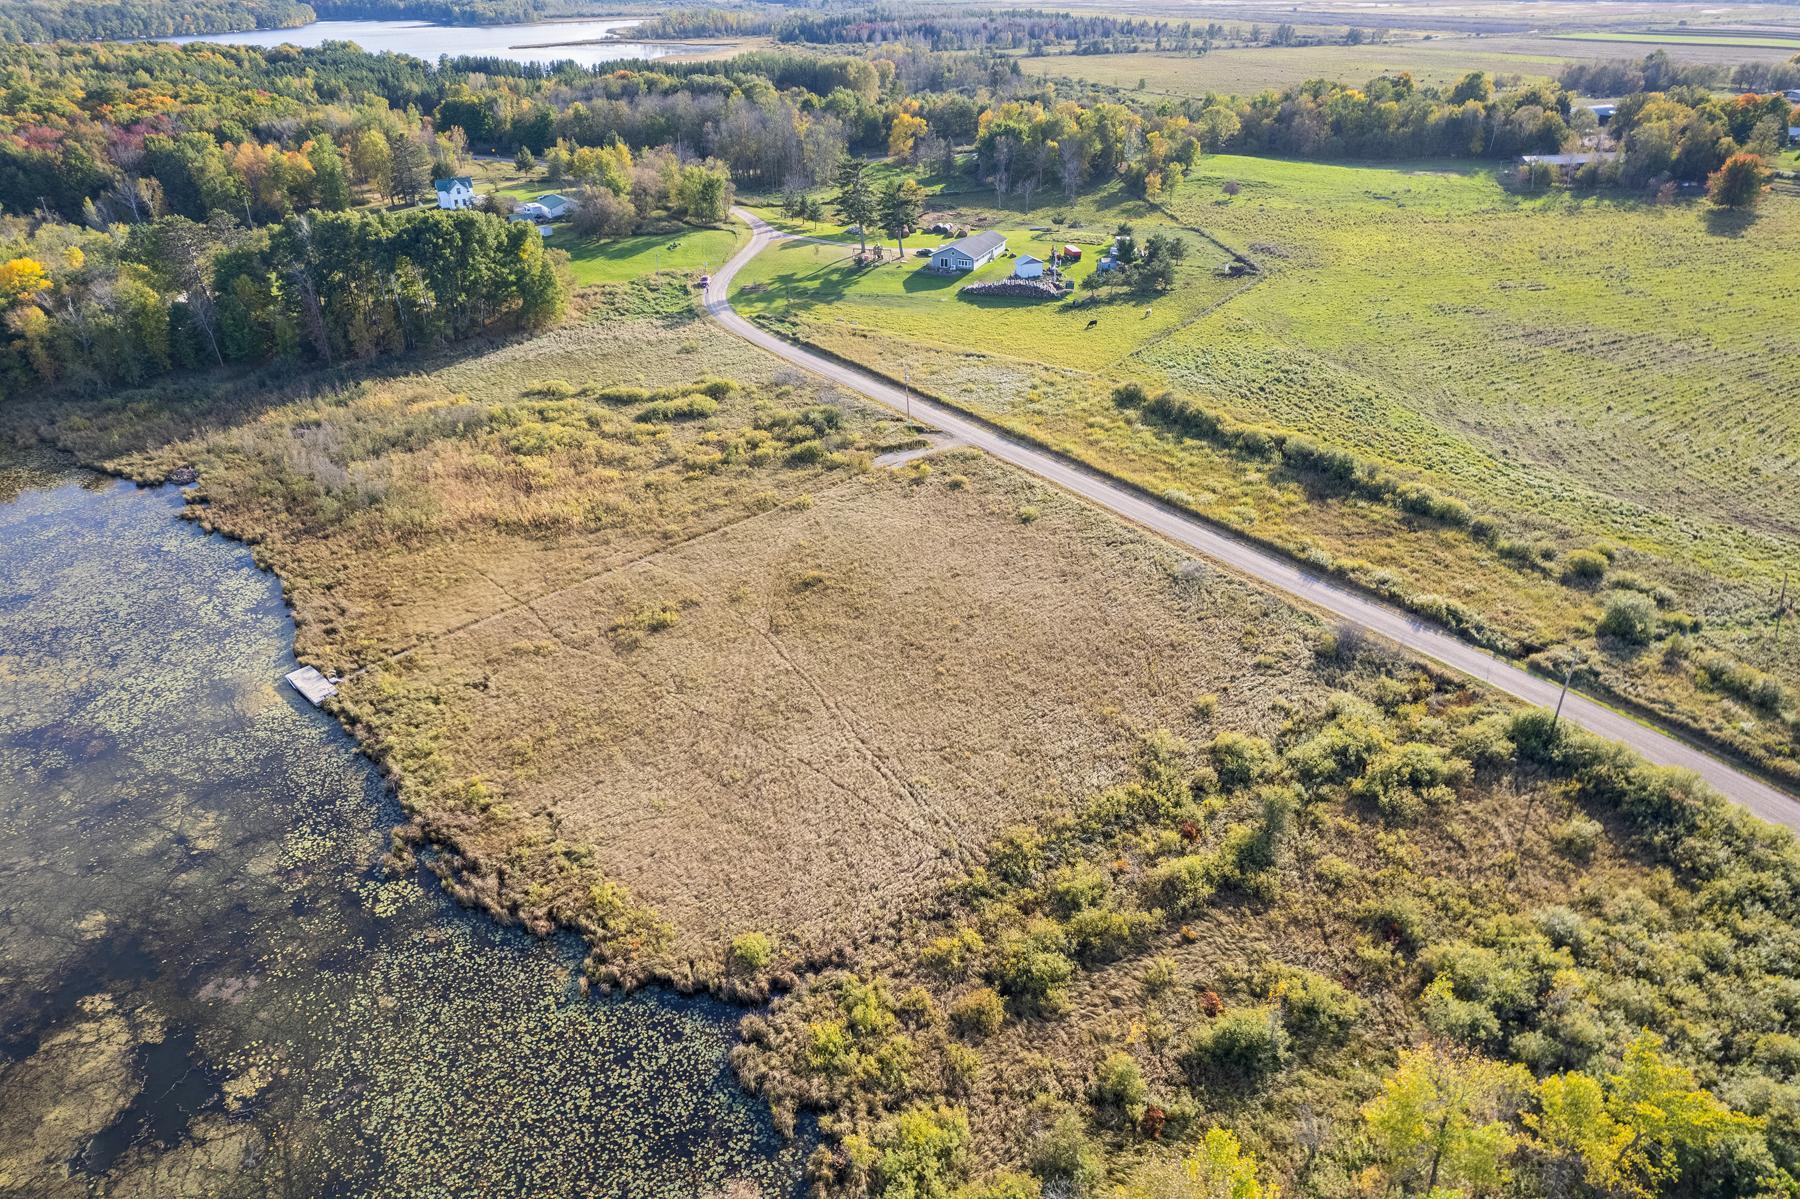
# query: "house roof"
(1569, 160)
(551, 200)
(977, 244)
(445, 185)
(1023, 258)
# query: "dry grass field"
(697, 652)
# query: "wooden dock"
(313, 685)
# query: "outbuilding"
(970, 253)
(1028, 267)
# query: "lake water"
(207, 984)
(537, 42)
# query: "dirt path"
(1263, 566)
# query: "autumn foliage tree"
(1738, 183)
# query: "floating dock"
(313, 685)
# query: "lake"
(536, 42)
(208, 983)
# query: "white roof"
(1031, 258)
(977, 244)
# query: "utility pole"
(906, 386)
(1781, 607)
(1568, 674)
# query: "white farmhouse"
(455, 193)
(976, 250)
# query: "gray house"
(976, 250)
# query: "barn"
(970, 253)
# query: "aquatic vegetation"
(210, 985)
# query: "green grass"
(816, 283)
(617, 259)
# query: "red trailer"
(1072, 253)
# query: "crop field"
(1587, 370)
(1437, 60)
(1768, 41)
(1246, 70)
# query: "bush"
(1034, 966)
(1065, 1158)
(1577, 837)
(1242, 1047)
(1120, 1091)
(1241, 760)
(1073, 888)
(1105, 934)
(980, 1013)
(751, 952)
(920, 1152)
(1161, 974)
(1583, 567)
(693, 407)
(1628, 617)
(1408, 777)
(1183, 886)
(953, 954)
(1314, 1008)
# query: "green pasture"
(617, 259)
(813, 284)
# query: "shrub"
(1006, 1185)
(829, 1048)
(1243, 1047)
(980, 1013)
(1184, 885)
(1064, 1157)
(1314, 1008)
(1407, 777)
(1583, 567)
(1034, 966)
(1120, 1091)
(1629, 617)
(1241, 760)
(953, 954)
(1395, 919)
(806, 453)
(1486, 743)
(1577, 837)
(1105, 934)
(920, 1152)
(751, 952)
(1027, 514)
(1073, 888)
(693, 407)
(1161, 974)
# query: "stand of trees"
(86, 307)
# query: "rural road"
(1263, 566)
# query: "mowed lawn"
(617, 259)
(821, 291)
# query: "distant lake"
(537, 41)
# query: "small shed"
(1028, 267)
(970, 253)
